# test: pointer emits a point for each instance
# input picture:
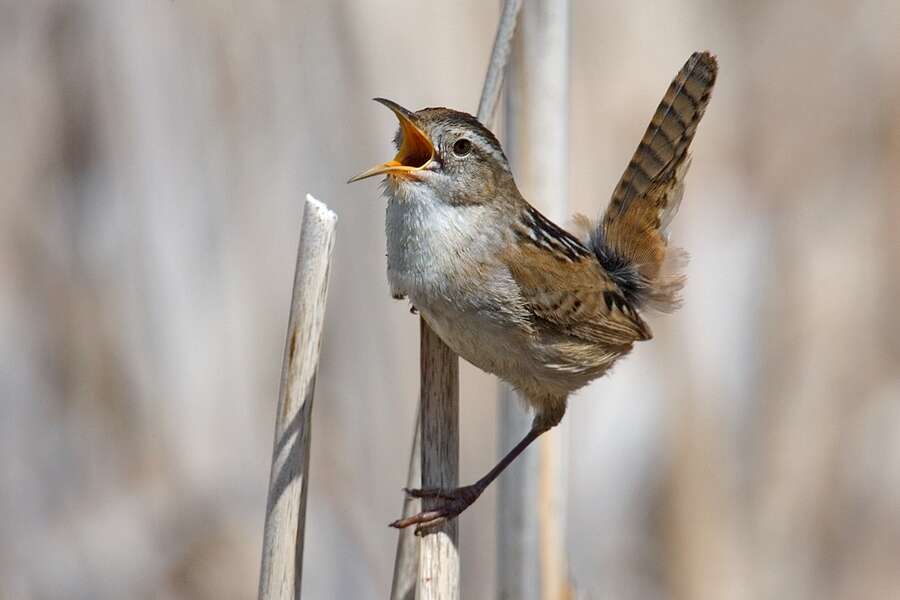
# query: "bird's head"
(447, 151)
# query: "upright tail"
(632, 239)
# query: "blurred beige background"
(153, 159)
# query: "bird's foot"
(446, 505)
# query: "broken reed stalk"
(282, 554)
(531, 556)
(438, 421)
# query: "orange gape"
(415, 149)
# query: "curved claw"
(423, 520)
(450, 503)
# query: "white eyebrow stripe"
(486, 145)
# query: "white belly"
(492, 347)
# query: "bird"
(513, 293)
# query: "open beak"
(416, 149)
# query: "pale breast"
(445, 260)
(435, 249)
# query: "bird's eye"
(462, 147)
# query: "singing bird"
(510, 291)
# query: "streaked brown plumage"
(635, 226)
(510, 291)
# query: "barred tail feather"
(631, 240)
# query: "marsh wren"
(512, 292)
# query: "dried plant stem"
(439, 396)
(493, 81)
(406, 561)
(282, 556)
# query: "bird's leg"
(453, 502)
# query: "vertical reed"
(282, 555)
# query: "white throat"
(429, 240)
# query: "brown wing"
(574, 294)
